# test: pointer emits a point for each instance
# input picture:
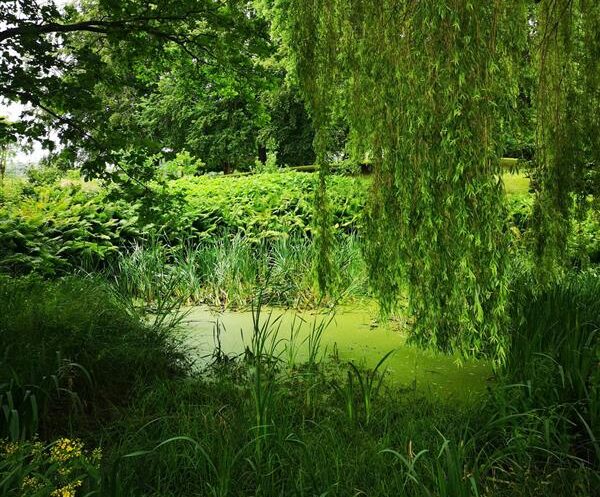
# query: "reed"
(223, 273)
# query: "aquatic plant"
(227, 273)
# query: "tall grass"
(69, 346)
(253, 427)
(366, 383)
(413, 445)
(253, 433)
(555, 356)
(228, 272)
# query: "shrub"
(183, 164)
(48, 175)
(55, 228)
(584, 244)
(519, 212)
(264, 206)
(72, 347)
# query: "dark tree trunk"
(262, 154)
(227, 168)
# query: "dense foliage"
(51, 227)
(429, 99)
(257, 425)
(429, 94)
(162, 77)
(97, 396)
(52, 224)
(430, 91)
(72, 348)
(568, 126)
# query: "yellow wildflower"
(63, 472)
(65, 449)
(37, 450)
(9, 448)
(31, 483)
(68, 490)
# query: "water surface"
(353, 335)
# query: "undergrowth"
(263, 425)
(55, 225)
(53, 228)
(71, 350)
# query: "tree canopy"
(171, 75)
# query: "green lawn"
(516, 184)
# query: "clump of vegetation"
(50, 229)
(555, 355)
(226, 273)
(61, 469)
(73, 347)
(263, 206)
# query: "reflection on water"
(352, 336)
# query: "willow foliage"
(568, 108)
(430, 88)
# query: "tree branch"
(95, 26)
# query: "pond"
(352, 335)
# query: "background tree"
(214, 112)
(163, 77)
(6, 146)
(84, 69)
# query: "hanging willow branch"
(427, 85)
(568, 106)
(557, 135)
(307, 21)
(430, 87)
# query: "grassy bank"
(262, 426)
(71, 351)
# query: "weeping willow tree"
(429, 88)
